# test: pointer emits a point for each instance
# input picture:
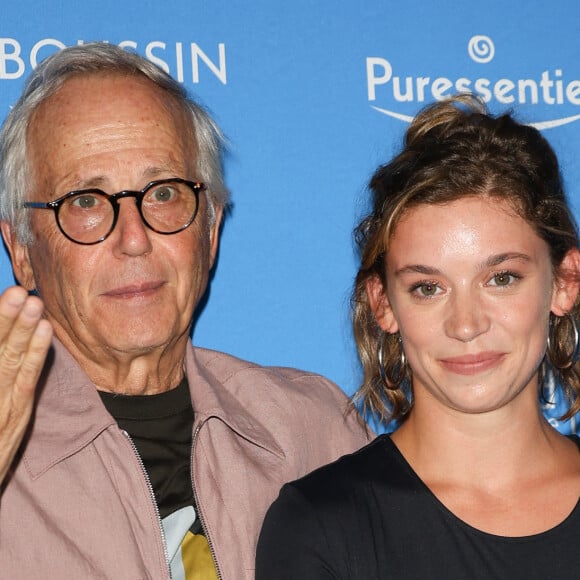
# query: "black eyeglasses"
(88, 216)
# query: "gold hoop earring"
(557, 356)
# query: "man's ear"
(567, 283)
(214, 234)
(380, 305)
(19, 257)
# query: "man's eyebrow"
(100, 181)
(492, 261)
(97, 182)
(153, 172)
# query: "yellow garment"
(197, 561)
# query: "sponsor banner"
(183, 60)
(312, 99)
(550, 87)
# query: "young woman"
(466, 296)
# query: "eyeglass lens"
(166, 207)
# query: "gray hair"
(97, 57)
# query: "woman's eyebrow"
(417, 269)
(494, 260)
(498, 259)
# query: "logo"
(184, 61)
(550, 87)
(481, 49)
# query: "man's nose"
(132, 236)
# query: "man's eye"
(85, 202)
(164, 193)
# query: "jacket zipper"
(198, 507)
(152, 496)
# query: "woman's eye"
(426, 289)
(502, 279)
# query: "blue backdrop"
(313, 97)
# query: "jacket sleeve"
(293, 543)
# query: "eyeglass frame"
(195, 186)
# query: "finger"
(14, 347)
(24, 342)
(11, 303)
(32, 363)
(16, 401)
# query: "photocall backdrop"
(312, 97)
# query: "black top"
(161, 428)
(369, 516)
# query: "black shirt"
(368, 516)
(161, 429)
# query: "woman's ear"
(380, 305)
(567, 283)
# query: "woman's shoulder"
(319, 516)
(366, 486)
(375, 463)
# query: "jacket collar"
(224, 398)
(69, 413)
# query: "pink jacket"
(78, 505)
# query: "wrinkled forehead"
(115, 97)
(105, 110)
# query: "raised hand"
(24, 342)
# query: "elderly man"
(125, 452)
